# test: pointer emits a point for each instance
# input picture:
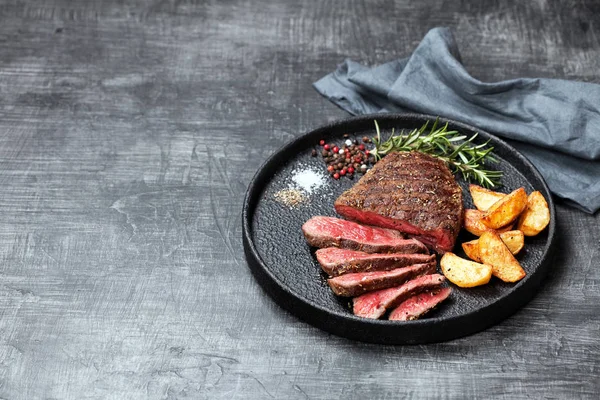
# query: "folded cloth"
(555, 123)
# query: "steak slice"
(418, 305)
(355, 284)
(374, 304)
(337, 262)
(334, 232)
(411, 192)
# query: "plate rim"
(281, 293)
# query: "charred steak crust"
(409, 191)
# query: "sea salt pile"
(308, 180)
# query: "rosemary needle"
(460, 153)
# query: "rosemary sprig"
(461, 154)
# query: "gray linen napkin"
(555, 123)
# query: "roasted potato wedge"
(472, 223)
(514, 240)
(536, 215)
(464, 273)
(494, 252)
(505, 210)
(484, 198)
(471, 249)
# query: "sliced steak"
(374, 304)
(337, 262)
(334, 232)
(418, 305)
(411, 192)
(355, 284)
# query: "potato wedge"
(464, 273)
(514, 240)
(505, 210)
(472, 223)
(484, 198)
(471, 249)
(494, 252)
(536, 216)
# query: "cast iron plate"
(285, 266)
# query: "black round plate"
(285, 266)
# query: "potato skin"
(505, 210)
(514, 240)
(464, 273)
(471, 249)
(536, 216)
(473, 223)
(494, 252)
(484, 198)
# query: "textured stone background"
(128, 134)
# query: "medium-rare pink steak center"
(418, 305)
(350, 285)
(411, 192)
(374, 304)
(337, 262)
(323, 231)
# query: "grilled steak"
(411, 192)
(351, 285)
(337, 262)
(418, 305)
(374, 304)
(334, 232)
